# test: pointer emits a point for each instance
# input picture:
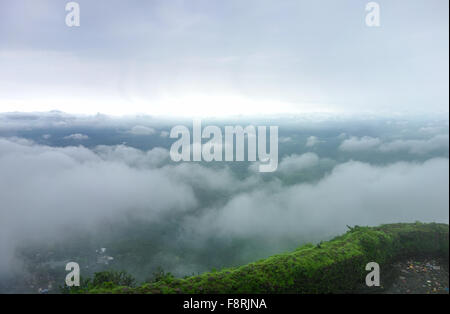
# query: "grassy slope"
(333, 266)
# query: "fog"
(51, 193)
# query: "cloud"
(285, 139)
(295, 163)
(61, 120)
(359, 144)
(51, 66)
(77, 137)
(312, 141)
(142, 130)
(164, 134)
(433, 129)
(43, 189)
(419, 147)
(133, 157)
(354, 193)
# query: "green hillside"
(334, 266)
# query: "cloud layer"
(43, 189)
(413, 146)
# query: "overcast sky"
(224, 57)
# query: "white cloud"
(164, 134)
(359, 144)
(284, 139)
(133, 157)
(419, 147)
(312, 141)
(433, 129)
(43, 189)
(142, 130)
(295, 163)
(354, 193)
(77, 137)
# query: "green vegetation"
(104, 280)
(330, 267)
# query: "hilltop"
(335, 266)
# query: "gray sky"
(222, 57)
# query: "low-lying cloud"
(412, 146)
(294, 163)
(76, 136)
(354, 143)
(142, 130)
(354, 193)
(312, 141)
(43, 189)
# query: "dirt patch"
(419, 276)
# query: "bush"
(102, 280)
(119, 278)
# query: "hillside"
(334, 266)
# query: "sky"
(211, 57)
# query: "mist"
(196, 216)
